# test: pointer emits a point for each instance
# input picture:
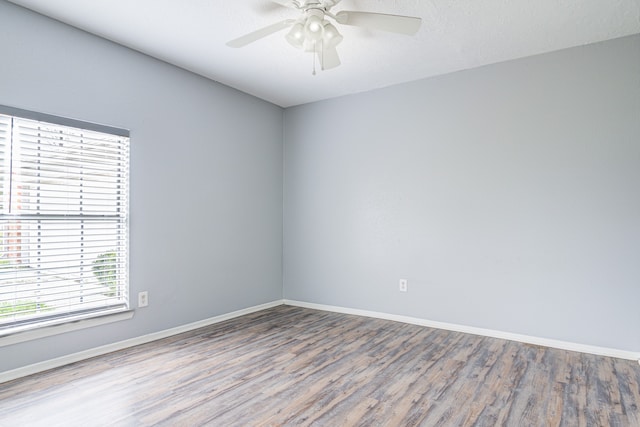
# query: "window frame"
(37, 327)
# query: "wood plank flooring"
(291, 366)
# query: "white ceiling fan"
(313, 32)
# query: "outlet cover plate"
(143, 299)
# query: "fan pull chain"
(314, 59)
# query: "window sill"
(18, 335)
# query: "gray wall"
(206, 188)
(508, 195)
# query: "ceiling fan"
(313, 31)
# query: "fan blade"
(329, 58)
(287, 3)
(408, 25)
(262, 32)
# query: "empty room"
(320, 213)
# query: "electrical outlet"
(403, 285)
(143, 299)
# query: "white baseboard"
(76, 357)
(545, 342)
(93, 352)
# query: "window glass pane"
(61, 170)
(5, 133)
(63, 221)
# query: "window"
(63, 219)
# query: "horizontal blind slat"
(92, 157)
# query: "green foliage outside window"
(104, 267)
(21, 308)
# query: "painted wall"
(206, 189)
(508, 196)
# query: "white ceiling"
(455, 35)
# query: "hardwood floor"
(296, 366)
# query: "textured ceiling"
(455, 35)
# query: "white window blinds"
(63, 221)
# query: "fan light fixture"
(332, 37)
(295, 37)
(312, 32)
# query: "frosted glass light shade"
(296, 36)
(332, 37)
(313, 29)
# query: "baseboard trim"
(121, 345)
(545, 342)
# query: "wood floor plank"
(291, 366)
